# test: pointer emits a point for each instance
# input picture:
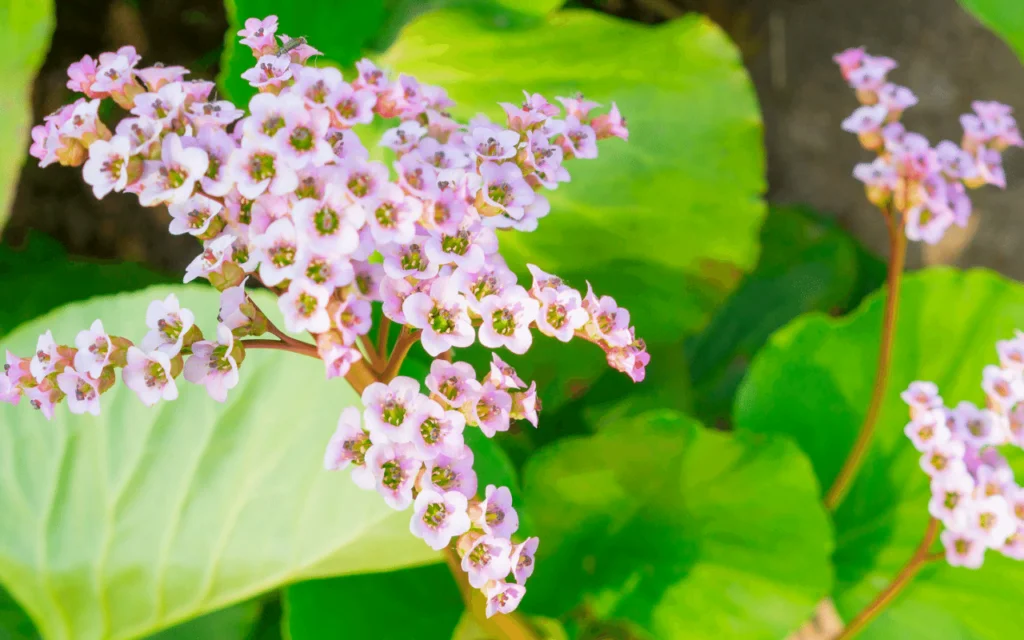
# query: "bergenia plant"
(923, 191)
(286, 195)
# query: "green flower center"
(430, 430)
(326, 221)
(301, 139)
(385, 215)
(442, 477)
(359, 184)
(449, 388)
(457, 244)
(176, 178)
(318, 270)
(155, 375)
(556, 316)
(261, 166)
(306, 304)
(413, 260)
(282, 255)
(435, 515)
(219, 359)
(393, 413)
(441, 320)
(498, 193)
(357, 449)
(504, 322)
(170, 329)
(346, 108)
(485, 286)
(393, 474)
(213, 170)
(272, 125)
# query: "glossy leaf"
(678, 530)
(678, 207)
(1005, 17)
(45, 278)
(25, 29)
(119, 526)
(421, 603)
(807, 264)
(813, 382)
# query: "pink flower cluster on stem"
(285, 194)
(974, 493)
(925, 186)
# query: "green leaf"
(678, 207)
(813, 382)
(231, 623)
(339, 28)
(685, 532)
(807, 264)
(14, 622)
(45, 278)
(1005, 17)
(25, 29)
(421, 603)
(122, 525)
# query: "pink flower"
(393, 292)
(193, 216)
(82, 391)
(106, 169)
(1011, 353)
(391, 409)
(503, 376)
(944, 458)
(42, 398)
(488, 559)
(270, 71)
(439, 432)
(610, 125)
(392, 215)
(149, 376)
(989, 165)
(394, 472)
(304, 307)
(370, 77)
(561, 312)
(179, 170)
(349, 106)
(277, 247)
(348, 446)
(951, 497)
(437, 518)
(353, 318)
(922, 396)
(231, 313)
(991, 521)
(409, 260)
(213, 365)
(963, 549)
(362, 180)
(218, 146)
(522, 559)
(259, 34)
(158, 75)
(489, 144)
(82, 75)
(504, 189)
(491, 408)
(467, 247)
(449, 381)
(404, 137)
(526, 404)
(215, 252)
(534, 110)
(451, 473)
(441, 315)
(977, 427)
(337, 356)
(927, 429)
(498, 518)
(870, 74)
(94, 350)
(168, 324)
(44, 360)
(609, 323)
(302, 138)
(1004, 388)
(507, 319)
(503, 597)
(166, 106)
(257, 168)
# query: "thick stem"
(897, 257)
(920, 558)
(295, 346)
(383, 333)
(504, 626)
(406, 339)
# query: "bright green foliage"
(1005, 17)
(807, 264)
(231, 623)
(681, 531)
(25, 28)
(421, 603)
(677, 207)
(45, 278)
(118, 526)
(813, 382)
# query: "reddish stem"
(920, 558)
(897, 257)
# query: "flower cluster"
(410, 448)
(286, 195)
(926, 185)
(974, 493)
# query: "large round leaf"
(681, 531)
(813, 382)
(25, 28)
(117, 526)
(667, 222)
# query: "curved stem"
(506, 626)
(897, 258)
(920, 558)
(295, 346)
(405, 341)
(383, 333)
